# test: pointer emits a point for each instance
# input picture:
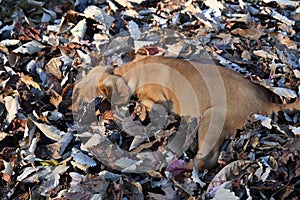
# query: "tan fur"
(221, 98)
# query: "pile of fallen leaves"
(49, 152)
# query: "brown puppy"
(221, 98)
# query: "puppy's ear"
(104, 91)
(115, 89)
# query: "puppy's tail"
(290, 108)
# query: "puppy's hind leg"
(210, 137)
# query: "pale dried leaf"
(160, 20)
(94, 140)
(46, 18)
(86, 58)
(65, 141)
(246, 55)
(204, 20)
(76, 180)
(109, 175)
(32, 147)
(244, 18)
(259, 171)
(284, 92)
(265, 175)
(80, 29)
(265, 121)
(9, 42)
(12, 106)
(295, 130)
(297, 73)
(81, 158)
(122, 2)
(26, 172)
(50, 131)
(86, 186)
(30, 48)
(53, 178)
(158, 116)
(112, 5)
(60, 169)
(131, 13)
(217, 6)
(8, 170)
(134, 30)
(140, 44)
(7, 28)
(223, 193)
(53, 115)
(175, 49)
(35, 3)
(3, 135)
(9, 70)
(99, 15)
(242, 4)
(134, 128)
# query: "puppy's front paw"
(139, 111)
(195, 163)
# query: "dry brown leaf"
(250, 33)
(55, 98)
(290, 44)
(265, 54)
(54, 67)
(29, 81)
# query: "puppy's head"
(100, 81)
(114, 88)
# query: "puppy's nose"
(102, 104)
(100, 98)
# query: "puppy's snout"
(102, 104)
